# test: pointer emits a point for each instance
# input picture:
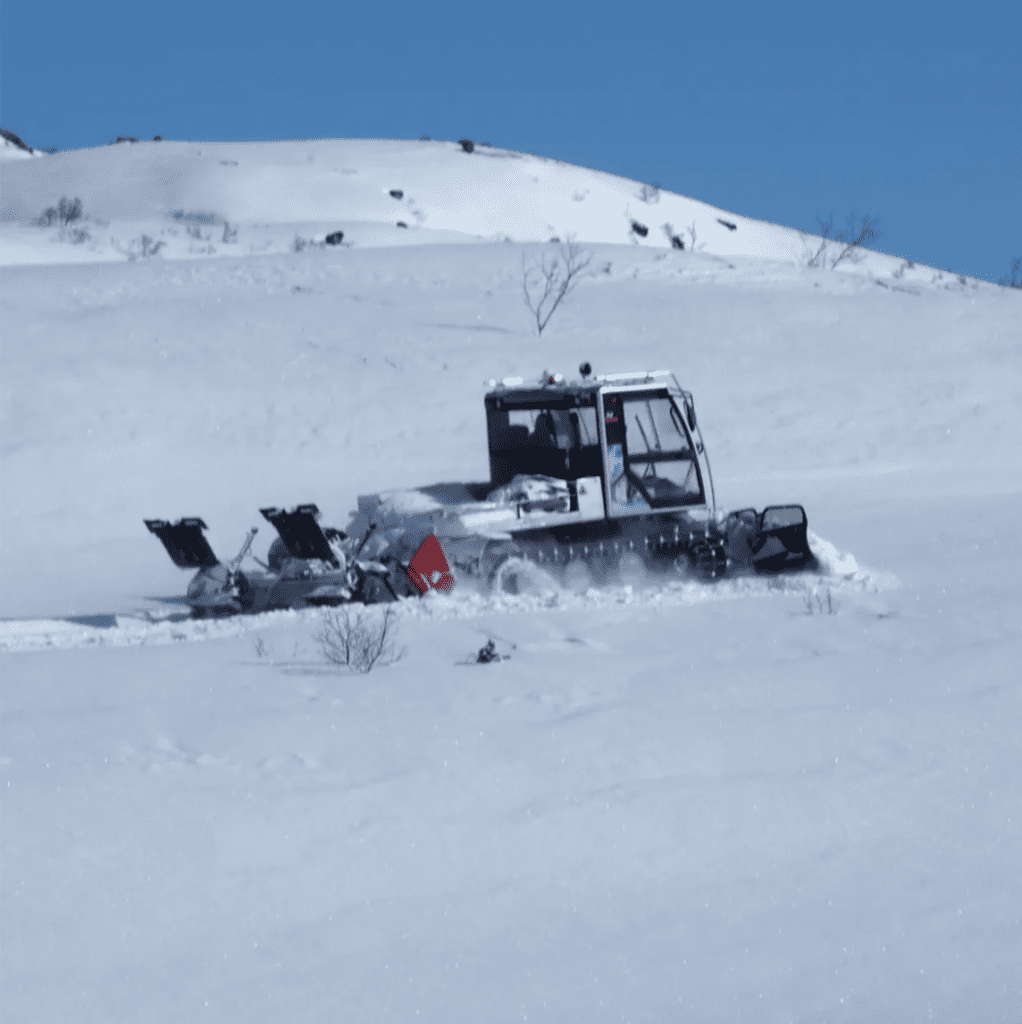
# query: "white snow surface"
(792, 800)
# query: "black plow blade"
(300, 532)
(184, 542)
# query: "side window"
(651, 460)
(561, 442)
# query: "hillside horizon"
(140, 188)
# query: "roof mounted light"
(638, 375)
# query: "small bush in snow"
(847, 241)
(230, 233)
(143, 248)
(467, 145)
(859, 231)
(1015, 281)
(79, 235)
(66, 212)
(547, 283)
(299, 244)
(640, 229)
(816, 603)
(358, 640)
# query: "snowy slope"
(215, 388)
(272, 192)
(736, 803)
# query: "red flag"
(429, 568)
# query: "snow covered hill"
(752, 802)
(206, 199)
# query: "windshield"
(654, 426)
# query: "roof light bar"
(639, 375)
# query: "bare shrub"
(79, 236)
(66, 212)
(467, 145)
(358, 640)
(299, 244)
(650, 194)
(859, 231)
(144, 248)
(816, 603)
(230, 233)
(547, 283)
(818, 258)
(1015, 281)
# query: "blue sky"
(787, 112)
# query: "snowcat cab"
(634, 436)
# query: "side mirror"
(690, 413)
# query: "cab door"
(651, 462)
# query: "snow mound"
(833, 562)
